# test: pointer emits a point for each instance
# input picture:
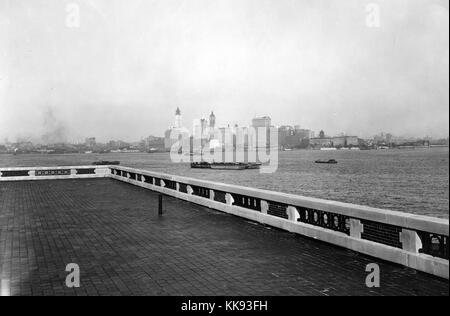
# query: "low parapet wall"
(418, 242)
(53, 173)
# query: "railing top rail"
(400, 219)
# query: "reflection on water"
(415, 181)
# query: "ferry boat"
(225, 165)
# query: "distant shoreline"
(162, 152)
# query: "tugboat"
(329, 161)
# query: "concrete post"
(100, 171)
(292, 214)
(410, 240)
(356, 228)
(264, 207)
(229, 199)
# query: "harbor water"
(412, 180)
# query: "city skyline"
(53, 135)
(178, 124)
(316, 64)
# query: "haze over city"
(129, 65)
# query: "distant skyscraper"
(178, 122)
(212, 124)
(169, 138)
(212, 120)
(389, 138)
(204, 127)
(264, 121)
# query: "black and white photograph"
(220, 156)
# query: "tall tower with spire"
(212, 120)
(170, 135)
(177, 118)
(212, 125)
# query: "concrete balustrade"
(54, 173)
(388, 235)
(408, 254)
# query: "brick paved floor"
(112, 231)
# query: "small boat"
(329, 161)
(105, 163)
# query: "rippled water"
(415, 181)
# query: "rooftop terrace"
(113, 232)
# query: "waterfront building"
(287, 137)
(321, 142)
(304, 134)
(293, 137)
(339, 141)
(90, 142)
(262, 122)
(178, 121)
(324, 141)
(352, 141)
(322, 134)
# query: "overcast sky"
(124, 70)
